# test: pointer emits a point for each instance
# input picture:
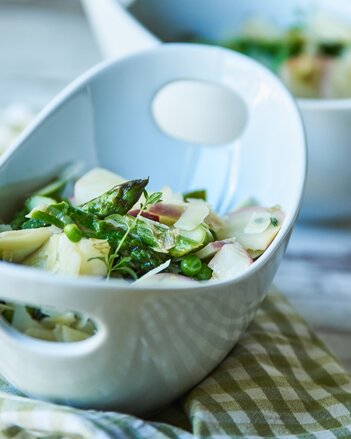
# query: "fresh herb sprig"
(121, 265)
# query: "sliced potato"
(229, 261)
(22, 320)
(95, 183)
(41, 333)
(45, 257)
(63, 318)
(213, 247)
(194, 215)
(240, 225)
(170, 197)
(16, 245)
(60, 255)
(214, 221)
(66, 334)
(68, 258)
(167, 213)
(90, 250)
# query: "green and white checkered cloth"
(280, 381)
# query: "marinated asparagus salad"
(112, 228)
(313, 57)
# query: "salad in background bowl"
(312, 57)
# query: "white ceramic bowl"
(153, 343)
(327, 122)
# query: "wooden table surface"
(45, 44)
(316, 277)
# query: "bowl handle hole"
(199, 112)
(46, 324)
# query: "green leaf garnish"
(150, 199)
(195, 195)
(274, 222)
(112, 266)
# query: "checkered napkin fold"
(280, 381)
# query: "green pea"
(73, 232)
(205, 272)
(190, 265)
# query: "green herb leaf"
(196, 195)
(151, 199)
(118, 200)
(274, 222)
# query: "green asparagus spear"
(33, 224)
(45, 195)
(69, 214)
(62, 214)
(141, 257)
(118, 200)
(19, 219)
(159, 237)
(162, 238)
(198, 195)
(53, 189)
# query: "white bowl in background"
(327, 122)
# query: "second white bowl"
(327, 122)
